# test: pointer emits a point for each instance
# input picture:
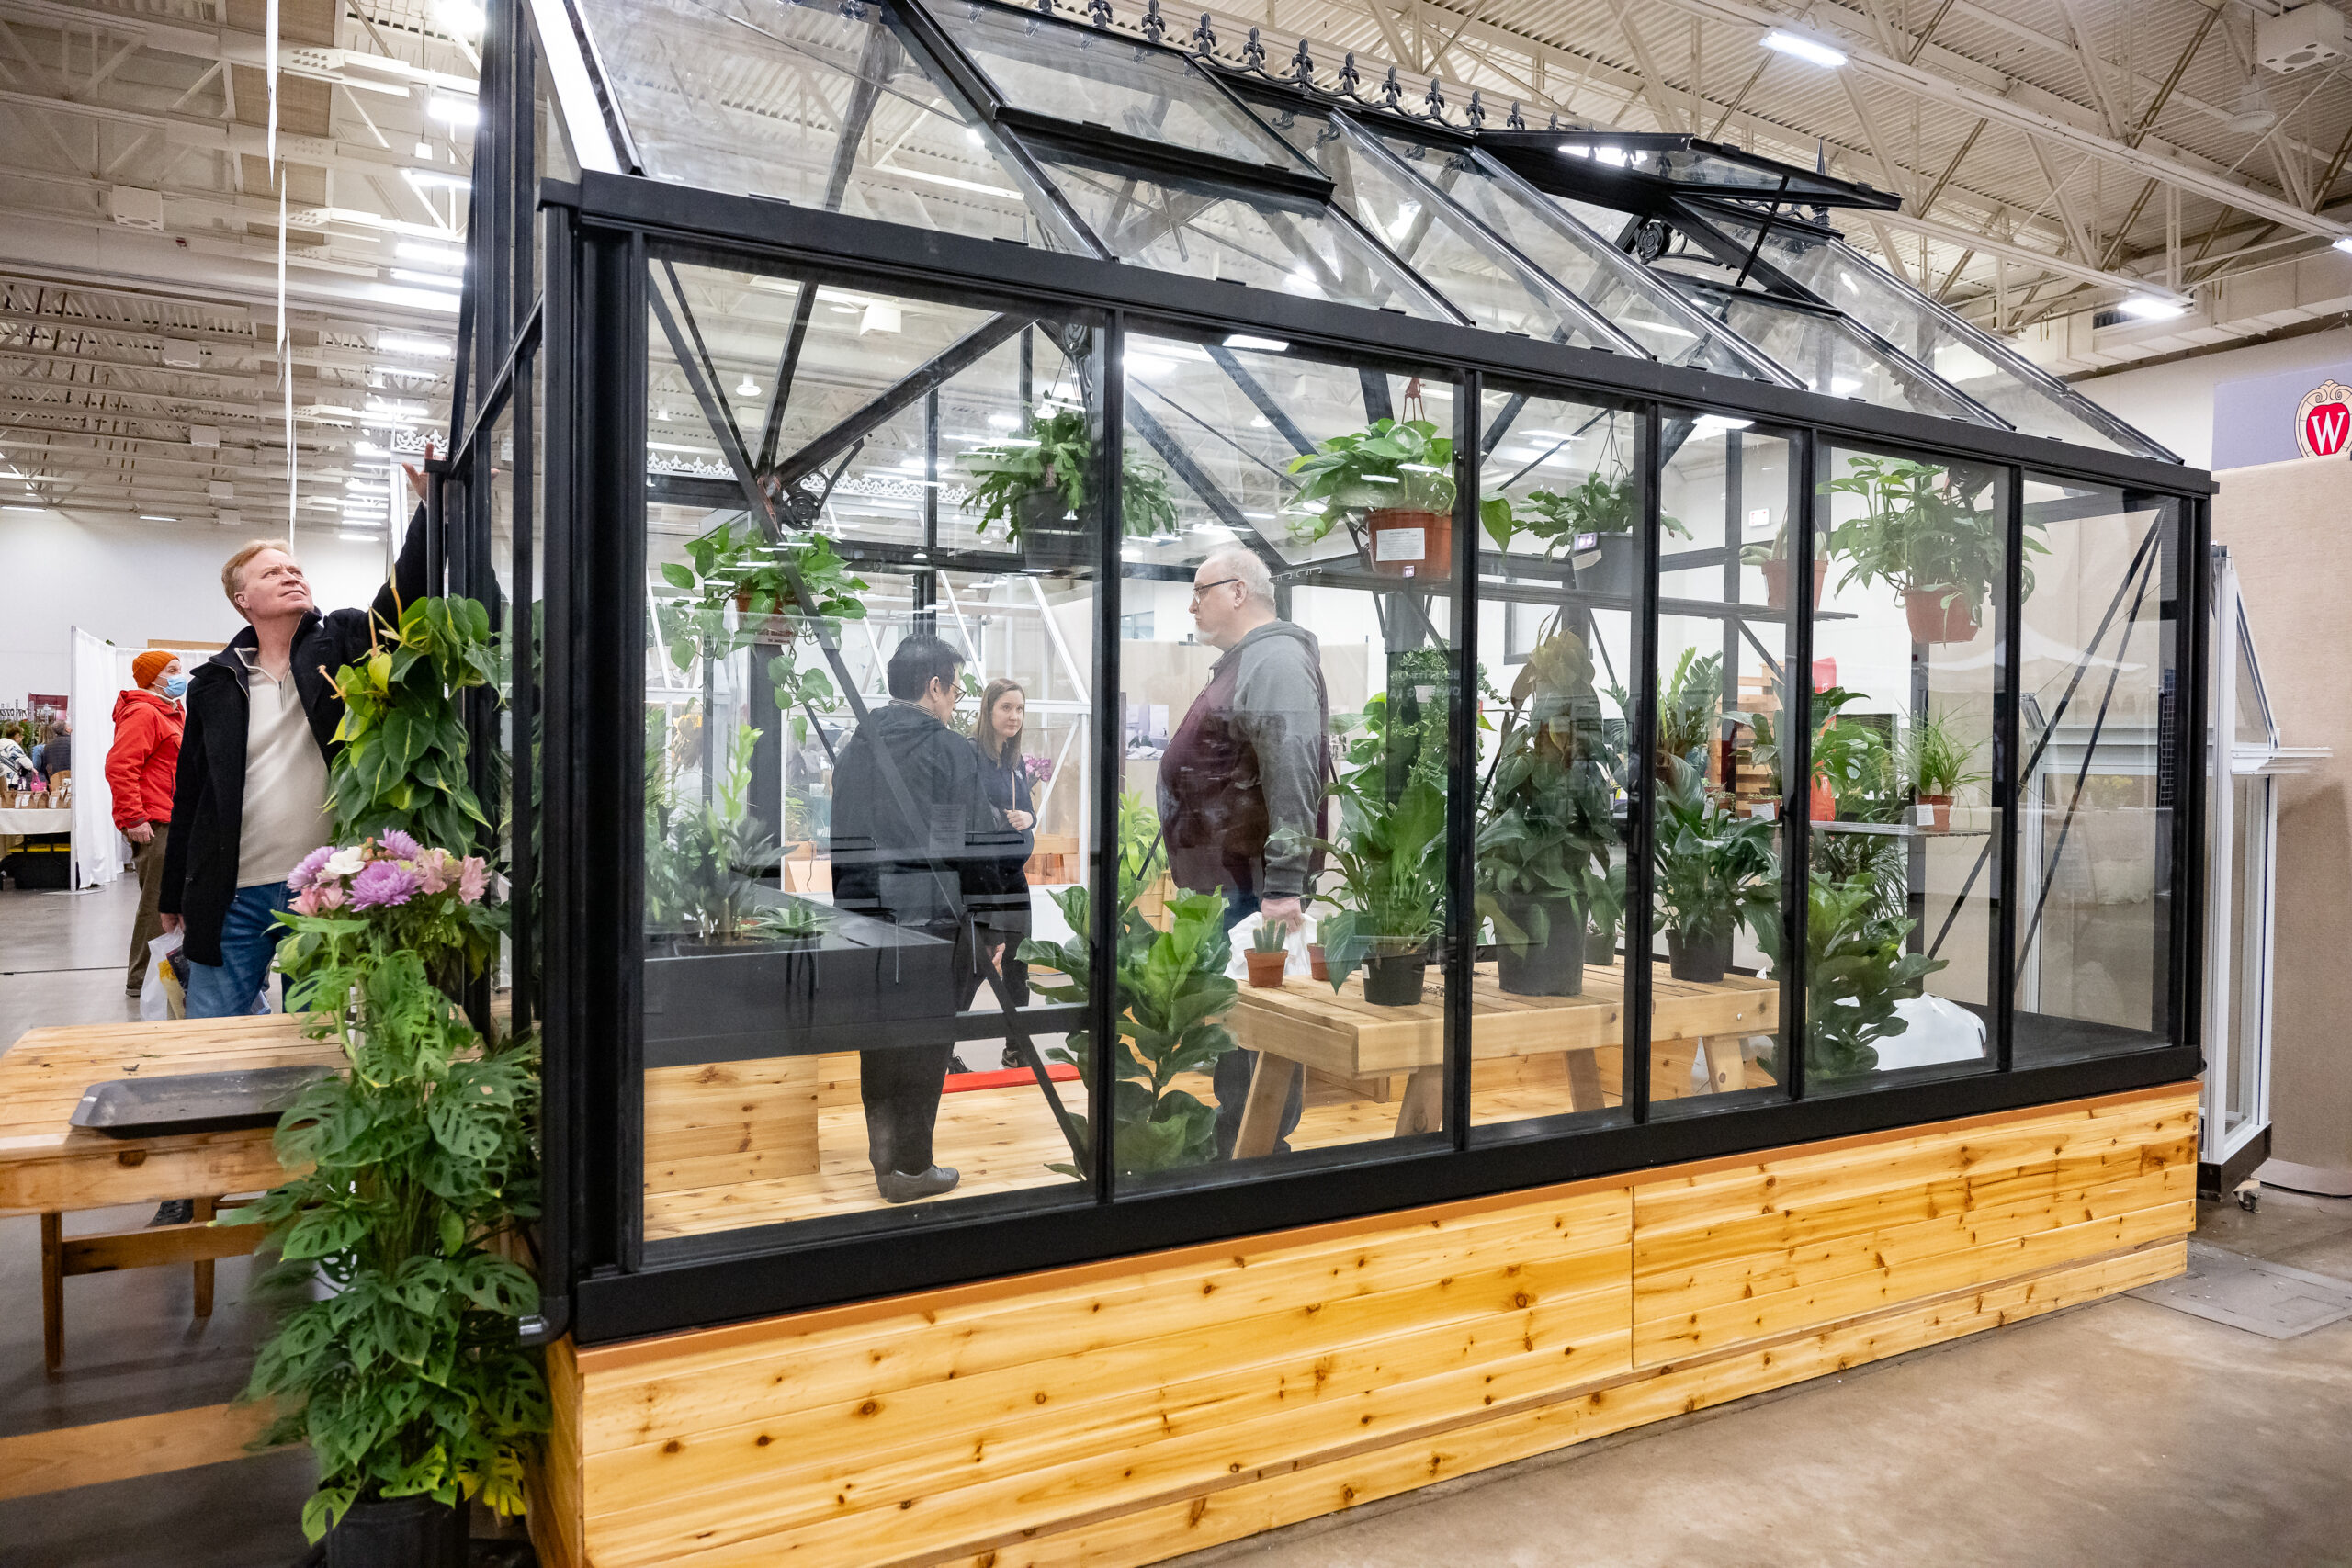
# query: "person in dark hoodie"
(915, 843)
(252, 794)
(1241, 785)
(142, 767)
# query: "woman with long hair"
(997, 737)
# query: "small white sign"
(1401, 544)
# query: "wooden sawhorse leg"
(196, 1244)
(1262, 1112)
(1424, 1107)
(1584, 1081)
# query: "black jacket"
(1007, 790)
(208, 801)
(926, 856)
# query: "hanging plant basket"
(1776, 581)
(1613, 567)
(1407, 542)
(1938, 616)
(1052, 537)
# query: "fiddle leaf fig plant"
(1855, 971)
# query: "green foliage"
(1398, 465)
(1172, 992)
(792, 922)
(418, 1164)
(1715, 870)
(1690, 707)
(695, 852)
(402, 761)
(1389, 866)
(1924, 528)
(1600, 504)
(1058, 457)
(1546, 828)
(734, 568)
(1935, 760)
(1855, 971)
(1270, 939)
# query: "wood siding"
(1129, 1410)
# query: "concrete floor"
(2120, 1433)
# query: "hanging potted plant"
(1935, 762)
(1593, 523)
(1773, 561)
(734, 565)
(1930, 534)
(1715, 873)
(1546, 824)
(1398, 477)
(1039, 487)
(1390, 876)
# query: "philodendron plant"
(1401, 464)
(734, 567)
(1716, 872)
(1925, 529)
(1057, 458)
(1389, 881)
(1546, 828)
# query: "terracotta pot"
(1933, 620)
(1776, 581)
(1314, 965)
(1940, 811)
(1824, 801)
(1409, 543)
(1266, 969)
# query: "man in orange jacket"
(142, 769)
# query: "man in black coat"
(916, 843)
(250, 799)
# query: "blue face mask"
(175, 688)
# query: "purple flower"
(398, 845)
(307, 872)
(383, 883)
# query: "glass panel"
(1682, 162)
(838, 852)
(1562, 498)
(1473, 273)
(1891, 308)
(1286, 682)
(761, 98)
(1289, 245)
(1096, 79)
(1902, 879)
(2253, 713)
(1575, 257)
(2099, 773)
(1827, 354)
(494, 474)
(2249, 945)
(1726, 491)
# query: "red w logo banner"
(2324, 421)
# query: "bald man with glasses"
(1242, 786)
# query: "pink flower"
(307, 872)
(436, 869)
(325, 896)
(307, 901)
(398, 845)
(383, 884)
(473, 877)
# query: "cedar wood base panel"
(1126, 1412)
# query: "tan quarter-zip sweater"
(286, 780)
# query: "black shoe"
(899, 1188)
(174, 1212)
(1013, 1058)
(956, 1064)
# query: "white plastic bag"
(160, 995)
(1245, 935)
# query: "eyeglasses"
(1201, 588)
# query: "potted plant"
(1773, 561)
(1931, 535)
(1604, 902)
(1268, 952)
(1172, 992)
(1598, 515)
(734, 566)
(1935, 760)
(1546, 822)
(1398, 476)
(1855, 971)
(1390, 869)
(1716, 872)
(408, 1377)
(1037, 486)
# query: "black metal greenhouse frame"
(556, 302)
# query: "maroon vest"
(1213, 816)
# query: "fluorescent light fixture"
(152, 517)
(2343, 243)
(1796, 46)
(365, 487)
(394, 405)
(1719, 421)
(369, 449)
(1271, 344)
(972, 136)
(460, 112)
(1844, 386)
(1259, 421)
(432, 255)
(461, 17)
(361, 538)
(1419, 468)
(437, 178)
(1002, 421)
(391, 344)
(431, 279)
(674, 447)
(2152, 307)
(334, 410)
(1546, 436)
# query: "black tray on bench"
(194, 1103)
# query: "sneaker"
(1013, 1058)
(174, 1212)
(956, 1064)
(898, 1187)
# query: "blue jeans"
(249, 934)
